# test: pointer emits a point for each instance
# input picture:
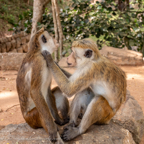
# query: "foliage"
(24, 22)
(9, 12)
(103, 21)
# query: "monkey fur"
(37, 100)
(106, 80)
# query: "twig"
(11, 107)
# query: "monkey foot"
(71, 124)
(62, 122)
(70, 133)
(66, 120)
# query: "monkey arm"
(64, 71)
(38, 98)
(68, 86)
(43, 110)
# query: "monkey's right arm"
(68, 86)
(64, 71)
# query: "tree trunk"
(58, 29)
(38, 10)
(55, 29)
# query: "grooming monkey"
(106, 80)
(37, 101)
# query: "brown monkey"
(37, 101)
(107, 81)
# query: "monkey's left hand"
(47, 56)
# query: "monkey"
(79, 105)
(37, 100)
(106, 80)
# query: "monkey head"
(83, 51)
(42, 40)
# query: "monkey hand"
(47, 56)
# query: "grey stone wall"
(11, 61)
(17, 43)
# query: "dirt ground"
(10, 112)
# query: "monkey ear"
(88, 53)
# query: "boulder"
(3, 40)
(23, 40)
(127, 127)
(9, 38)
(3, 48)
(27, 38)
(122, 56)
(104, 134)
(130, 116)
(13, 51)
(13, 45)
(20, 50)
(8, 46)
(18, 42)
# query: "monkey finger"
(71, 133)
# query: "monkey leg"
(79, 106)
(33, 118)
(75, 110)
(62, 104)
(35, 121)
(98, 111)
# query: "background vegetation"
(10, 11)
(105, 22)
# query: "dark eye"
(44, 39)
(88, 53)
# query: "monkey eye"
(88, 53)
(44, 39)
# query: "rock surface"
(127, 127)
(7, 44)
(122, 57)
(130, 116)
(11, 61)
(102, 134)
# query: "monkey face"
(47, 42)
(71, 60)
(79, 56)
(83, 51)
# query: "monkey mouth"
(69, 64)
